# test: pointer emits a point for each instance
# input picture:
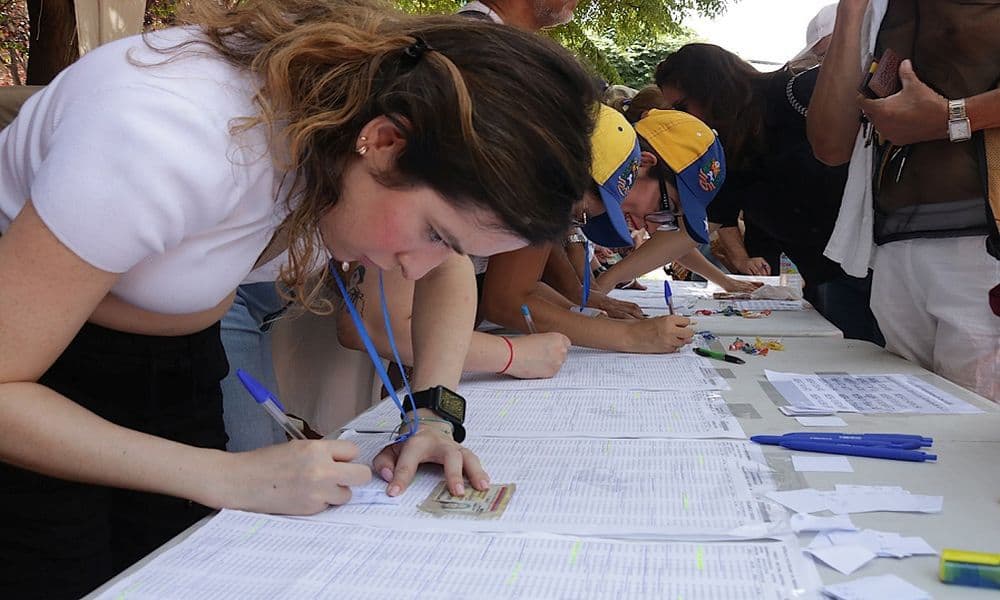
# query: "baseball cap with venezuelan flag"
(614, 167)
(693, 152)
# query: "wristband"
(510, 359)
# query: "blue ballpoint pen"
(270, 403)
(668, 296)
(852, 450)
(898, 437)
(776, 440)
(526, 313)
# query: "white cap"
(819, 27)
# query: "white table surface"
(689, 297)
(967, 473)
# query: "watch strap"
(430, 399)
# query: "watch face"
(453, 404)
(959, 130)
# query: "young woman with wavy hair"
(150, 178)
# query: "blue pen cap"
(260, 393)
(667, 292)
(525, 311)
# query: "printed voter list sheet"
(587, 369)
(867, 393)
(245, 556)
(703, 489)
(581, 413)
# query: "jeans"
(247, 340)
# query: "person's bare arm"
(695, 261)
(661, 248)
(732, 244)
(48, 294)
(833, 119)
(919, 114)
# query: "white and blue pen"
(668, 296)
(270, 403)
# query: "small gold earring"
(345, 266)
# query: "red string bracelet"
(510, 360)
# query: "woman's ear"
(381, 141)
(647, 160)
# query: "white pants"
(931, 299)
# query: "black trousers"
(62, 539)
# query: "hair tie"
(415, 51)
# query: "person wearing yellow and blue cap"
(512, 279)
(681, 168)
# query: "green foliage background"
(621, 40)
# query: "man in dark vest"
(919, 180)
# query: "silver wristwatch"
(959, 128)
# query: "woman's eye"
(433, 236)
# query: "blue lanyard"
(586, 274)
(414, 423)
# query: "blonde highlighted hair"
(328, 67)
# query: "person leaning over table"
(673, 143)
(512, 279)
(789, 199)
(141, 187)
(246, 327)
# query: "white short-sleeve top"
(131, 163)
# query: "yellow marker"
(699, 558)
(574, 552)
(514, 574)
(684, 499)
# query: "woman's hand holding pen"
(660, 334)
(538, 356)
(397, 463)
(297, 478)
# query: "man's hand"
(914, 114)
(753, 266)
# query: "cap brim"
(696, 190)
(610, 229)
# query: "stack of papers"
(582, 413)
(244, 556)
(866, 394)
(611, 370)
(648, 488)
(857, 499)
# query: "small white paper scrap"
(846, 559)
(360, 495)
(805, 500)
(805, 522)
(882, 543)
(821, 421)
(792, 411)
(879, 587)
(823, 464)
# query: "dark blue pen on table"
(899, 447)
(270, 403)
(668, 296)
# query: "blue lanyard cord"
(414, 423)
(586, 275)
